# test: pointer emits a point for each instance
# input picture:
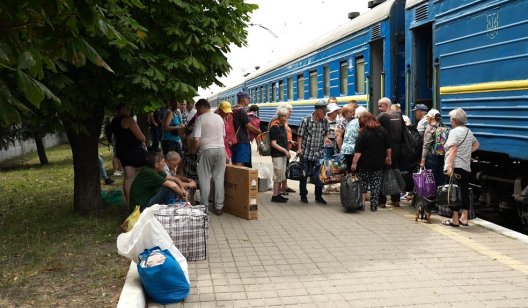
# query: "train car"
(446, 54)
(474, 55)
(358, 62)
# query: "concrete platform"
(311, 255)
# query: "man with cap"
(420, 110)
(331, 116)
(311, 136)
(241, 152)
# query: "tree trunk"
(84, 144)
(41, 150)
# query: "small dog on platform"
(423, 208)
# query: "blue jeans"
(102, 170)
(163, 196)
(436, 163)
(308, 168)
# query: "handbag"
(295, 170)
(332, 170)
(392, 182)
(446, 211)
(350, 193)
(449, 194)
(424, 183)
(161, 276)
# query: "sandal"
(450, 223)
(289, 190)
(463, 224)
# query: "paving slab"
(311, 255)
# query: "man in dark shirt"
(241, 152)
(392, 122)
(279, 154)
(152, 185)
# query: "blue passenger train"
(445, 54)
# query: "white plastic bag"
(147, 233)
(264, 177)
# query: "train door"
(423, 68)
(377, 78)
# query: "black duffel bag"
(295, 170)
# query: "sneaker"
(279, 199)
(109, 181)
(117, 173)
(219, 212)
(320, 200)
(304, 199)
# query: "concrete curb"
(500, 230)
(132, 295)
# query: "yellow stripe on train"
(496, 86)
(341, 99)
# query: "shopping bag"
(264, 178)
(424, 183)
(162, 276)
(147, 233)
(445, 210)
(392, 182)
(350, 192)
(131, 220)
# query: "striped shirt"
(313, 132)
(463, 138)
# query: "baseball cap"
(432, 113)
(420, 107)
(242, 94)
(320, 105)
(332, 107)
(225, 107)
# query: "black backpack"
(295, 170)
(412, 142)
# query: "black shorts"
(134, 157)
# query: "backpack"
(255, 122)
(439, 139)
(264, 144)
(411, 142)
(230, 131)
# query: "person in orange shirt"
(275, 120)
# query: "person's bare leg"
(129, 175)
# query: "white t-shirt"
(422, 125)
(463, 138)
(209, 127)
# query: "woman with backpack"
(435, 136)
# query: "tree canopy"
(82, 57)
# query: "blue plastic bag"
(162, 277)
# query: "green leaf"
(25, 60)
(93, 56)
(34, 90)
(137, 3)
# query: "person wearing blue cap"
(420, 110)
(311, 137)
(241, 152)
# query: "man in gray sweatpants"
(208, 137)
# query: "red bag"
(255, 122)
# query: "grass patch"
(50, 255)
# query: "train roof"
(377, 14)
(411, 3)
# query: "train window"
(273, 92)
(290, 88)
(262, 94)
(300, 86)
(327, 81)
(343, 77)
(267, 93)
(281, 90)
(313, 84)
(360, 75)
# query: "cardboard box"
(241, 191)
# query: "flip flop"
(450, 223)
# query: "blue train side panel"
(482, 47)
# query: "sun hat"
(332, 107)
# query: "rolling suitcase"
(350, 193)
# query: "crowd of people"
(197, 143)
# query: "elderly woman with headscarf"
(459, 146)
(433, 151)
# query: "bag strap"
(467, 132)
